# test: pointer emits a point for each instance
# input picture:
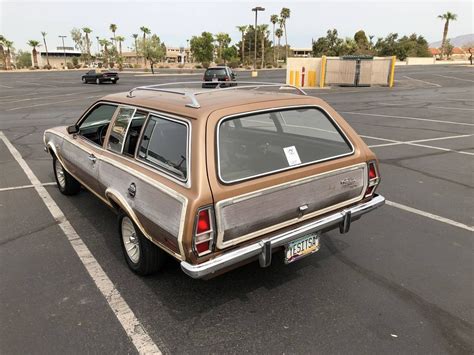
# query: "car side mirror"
(73, 129)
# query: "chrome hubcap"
(60, 174)
(130, 240)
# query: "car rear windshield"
(216, 71)
(267, 142)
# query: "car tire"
(66, 183)
(84, 81)
(97, 81)
(114, 82)
(142, 256)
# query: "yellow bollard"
(312, 78)
(322, 76)
(392, 72)
(297, 79)
(292, 77)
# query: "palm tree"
(105, 43)
(278, 34)
(284, 15)
(448, 16)
(264, 30)
(8, 56)
(34, 44)
(113, 28)
(87, 31)
(120, 39)
(242, 30)
(135, 37)
(146, 31)
(274, 21)
(45, 47)
(2, 51)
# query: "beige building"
(173, 55)
(57, 58)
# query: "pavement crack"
(28, 234)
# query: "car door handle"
(92, 158)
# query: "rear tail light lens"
(204, 234)
(373, 178)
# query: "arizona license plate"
(302, 247)
(215, 80)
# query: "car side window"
(95, 124)
(165, 145)
(119, 129)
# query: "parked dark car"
(216, 74)
(93, 76)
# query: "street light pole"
(64, 49)
(256, 9)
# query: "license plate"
(302, 247)
(215, 80)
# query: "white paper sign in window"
(292, 155)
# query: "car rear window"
(263, 143)
(216, 71)
(165, 145)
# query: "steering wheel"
(101, 133)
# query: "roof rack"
(191, 95)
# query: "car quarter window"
(95, 124)
(120, 128)
(165, 145)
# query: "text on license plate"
(302, 247)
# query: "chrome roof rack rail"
(192, 95)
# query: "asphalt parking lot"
(400, 282)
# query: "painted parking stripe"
(453, 77)
(132, 326)
(422, 81)
(429, 215)
(52, 103)
(25, 187)
(407, 118)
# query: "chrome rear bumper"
(263, 248)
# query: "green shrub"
(234, 64)
(47, 66)
(78, 66)
(69, 65)
(205, 64)
(269, 66)
(198, 66)
(181, 66)
(100, 65)
(136, 66)
(75, 61)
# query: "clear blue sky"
(176, 21)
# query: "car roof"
(210, 100)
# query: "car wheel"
(97, 81)
(66, 183)
(114, 82)
(83, 80)
(142, 256)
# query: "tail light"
(226, 78)
(373, 178)
(204, 231)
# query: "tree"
(146, 31)
(242, 30)
(284, 15)
(448, 47)
(223, 40)
(79, 40)
(45, 48)
(113, 29)
(407, 46)
(330, 45)
(8, 54)
(120, 39)
(202, 48)
(274, 21)
(229, 54)
(135, 39)
(2, 51)
(278, 34)
(362, 42)
(153, 50)
(87, 31)
(23, 60)
(263, 29)
(448, 16)
(105, 45)
(34, 44)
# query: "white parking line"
(25, 186)
(132, 326)
(414, 143)
(429, 215)
(408, 118)
(422, 81)
(52, 103)
(32, 83)
(425, 107)
(4, 86)
(453, 77)
(40, 98)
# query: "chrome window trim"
(92, 107)
(221, 244)
(331, 119)
(166, 172)
(126, 131)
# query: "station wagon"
(217, 178)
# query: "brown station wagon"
(217, 178)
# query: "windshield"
(263, 143)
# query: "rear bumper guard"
(264, 247)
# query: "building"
(57, 58)
(173, 55)
(301, 52)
